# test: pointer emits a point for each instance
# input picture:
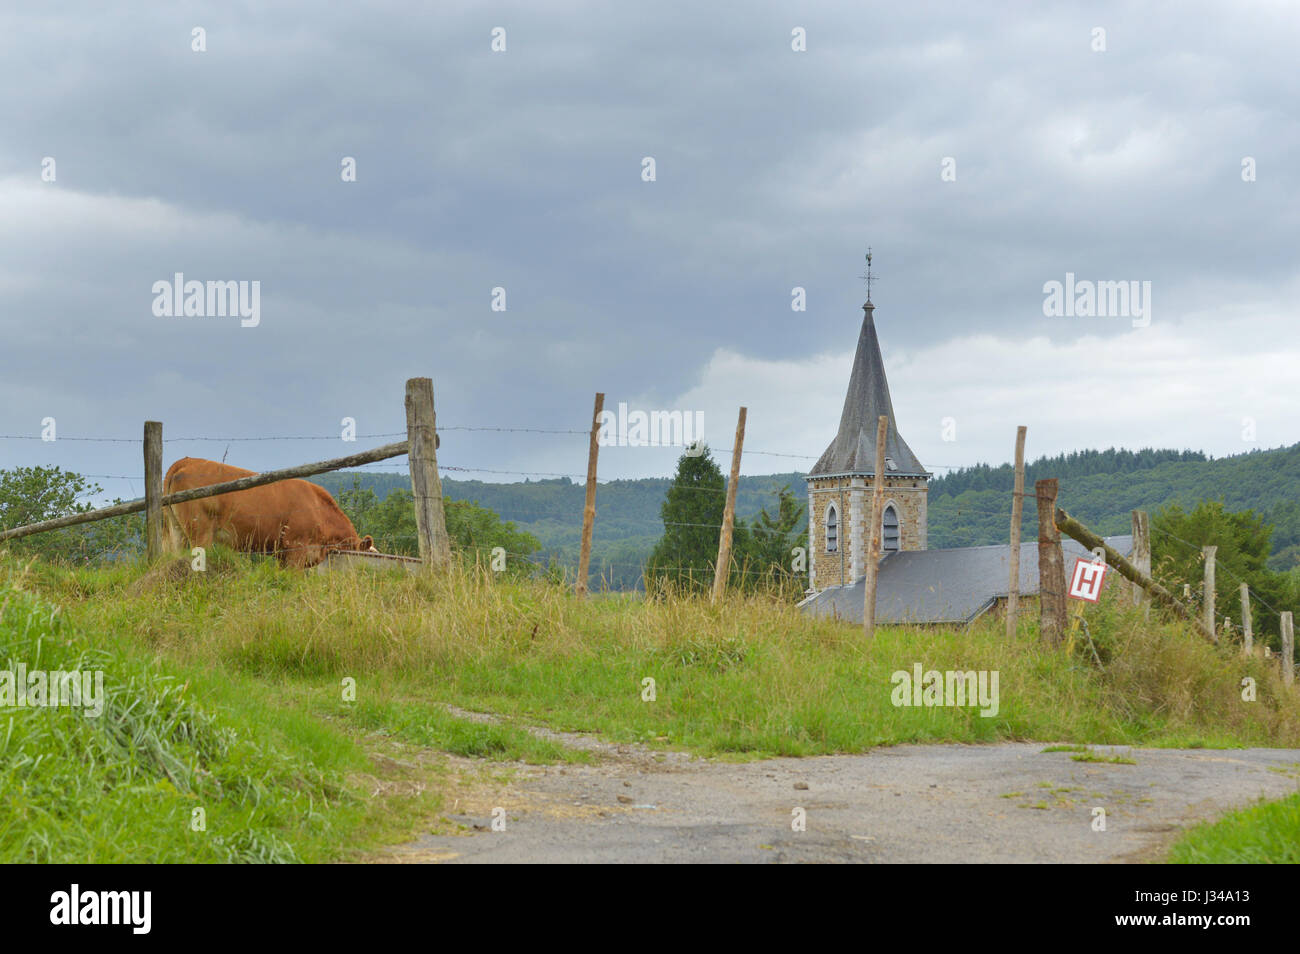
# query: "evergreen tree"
(692, 515)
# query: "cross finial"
(868, 275)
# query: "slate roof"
(946, 586)
(854, 449)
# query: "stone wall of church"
(852, 500)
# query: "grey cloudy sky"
(522, 169)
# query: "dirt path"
(942, 803)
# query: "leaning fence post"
(1288, 649)
(426, 487)
(723, 567)
(153, 489)
(1051, 565)
(1207, 591)
(589, 507)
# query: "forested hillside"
(968, 507)
(972, 506)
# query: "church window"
(891, 539)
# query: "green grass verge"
(179, 762)
(1263, 834)
(747, 677)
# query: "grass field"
(269, 698)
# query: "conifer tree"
(692, 514)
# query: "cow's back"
(245, 520)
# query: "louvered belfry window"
(891, 538)
(832, 529)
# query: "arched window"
(890, 537)
(832, 529)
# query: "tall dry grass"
(749, 674)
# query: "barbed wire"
(300, 437)
(959, 509)
(1251, 592)
(103, 440)
(945, 502)
(483, 428)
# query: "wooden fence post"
(871, 568)
(1051, 565)
(426, 487)
(153, 490)
(1288, 649)
(589, 508)
(1017, 511)
(1142, 556)
(723, 566)
(1207, 591)
(1247, 630)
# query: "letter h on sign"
(1086, 580)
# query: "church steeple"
(841, 483)
(853, 452)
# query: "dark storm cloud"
(522, 169)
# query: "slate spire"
(854, 449)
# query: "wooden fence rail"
(1071, 527)
(213, 490)
(420, 447)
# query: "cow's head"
(367, 544)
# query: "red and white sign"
(1086, 581)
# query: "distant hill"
(972, 506)
(968, 507)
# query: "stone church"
(915, 585)
(842, 481)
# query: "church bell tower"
(842, 481)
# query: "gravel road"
(1009, 802)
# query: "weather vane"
(868, 276)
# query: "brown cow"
(297, 521)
